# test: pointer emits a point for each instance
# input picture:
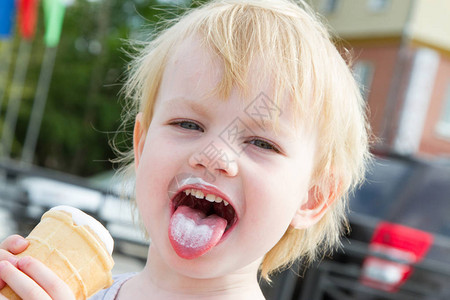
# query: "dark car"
(399, 245)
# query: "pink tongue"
(192, 234)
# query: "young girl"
(249, 134)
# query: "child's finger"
(55, 287)
(7, 256)
(23, 285)
(14, 244)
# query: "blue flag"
(7, 13)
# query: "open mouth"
(200, 220)
(207, 203)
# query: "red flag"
(28, 17)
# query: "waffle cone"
(73, 252)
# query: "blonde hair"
(297, 50)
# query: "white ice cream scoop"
(80, 218)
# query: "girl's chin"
(212, 265)
(207, 266)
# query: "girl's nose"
(216, 160)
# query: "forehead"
(194, 72)
(200, 71)
(192, 68)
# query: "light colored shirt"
(111, 292)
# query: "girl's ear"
(138, 139)
(313, 209)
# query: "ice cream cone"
(75, 253)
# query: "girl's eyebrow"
(196, 106)
(271, 126)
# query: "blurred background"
(62, 65)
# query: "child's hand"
(29, 278)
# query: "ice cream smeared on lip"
(82, 219)
(201, 215)
(194, 181)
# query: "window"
(377, 5)
(329, 6)
(443, 125)
(363, 72)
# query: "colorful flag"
(28, 17)
(7, 11)
(54, 17)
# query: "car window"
(385, 180)
(411, 193)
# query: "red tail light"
(395, 248)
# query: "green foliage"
(83, 107)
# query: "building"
(401, 55)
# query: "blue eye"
(264, 145)
(189, 125)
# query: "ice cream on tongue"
(192, 233)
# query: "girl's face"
(216, 185)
